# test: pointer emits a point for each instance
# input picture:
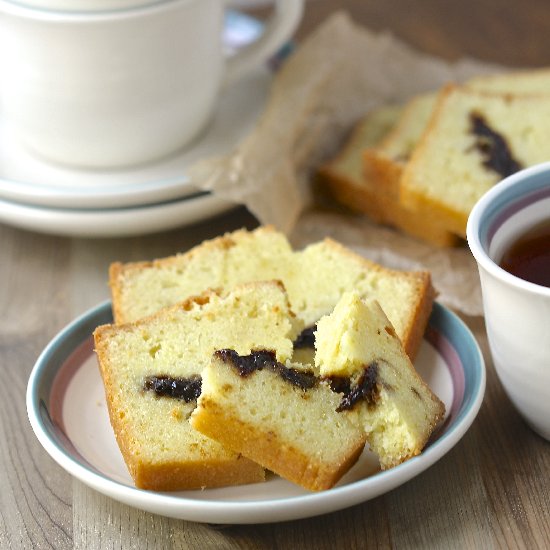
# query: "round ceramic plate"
(67, 410)
(30, 180)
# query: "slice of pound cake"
(358, 350)
(384, 161)
(473, 140)
(374, 193)
(279, 415)
(152, 368)
(315, 279)
(309, 424)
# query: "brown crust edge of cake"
(360, 199)
(216, 422)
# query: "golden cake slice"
(309, 424)
(279, 415)
(315, 278)
(358, 350)
(375, 191)
(152, 368)
(474, 139)
(384, 161)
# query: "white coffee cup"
(118, 88)
(517, 312)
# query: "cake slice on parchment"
(473, 140)
(365, 175)
(384, 161)
(151, 371)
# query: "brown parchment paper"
(335, 76)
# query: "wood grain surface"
(492, 490)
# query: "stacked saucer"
(62, 200)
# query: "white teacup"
(120, 88)
(517, 312)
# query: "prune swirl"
(493, 147)
(245, 365)
(186, 389)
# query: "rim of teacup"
(506, 198)
(37, 13)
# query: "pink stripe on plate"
(59, 388)
(454, 364)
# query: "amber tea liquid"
(529, 256)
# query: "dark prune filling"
(306, 338)
(493, 147)
(366, 388)
(245, 365)
(187, 389)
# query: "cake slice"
(152, 368)
(358, 350)
(315, 278)
(474, 139)
(384, 162)
(279, 415)
(376, 192)
(309, 424)
(370, 131)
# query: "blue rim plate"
(67, 411)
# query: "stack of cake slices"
(421, 167)
(243, 356)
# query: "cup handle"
(277, 31)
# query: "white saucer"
(32, 181)
(114, 222)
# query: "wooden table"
(492, 490)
